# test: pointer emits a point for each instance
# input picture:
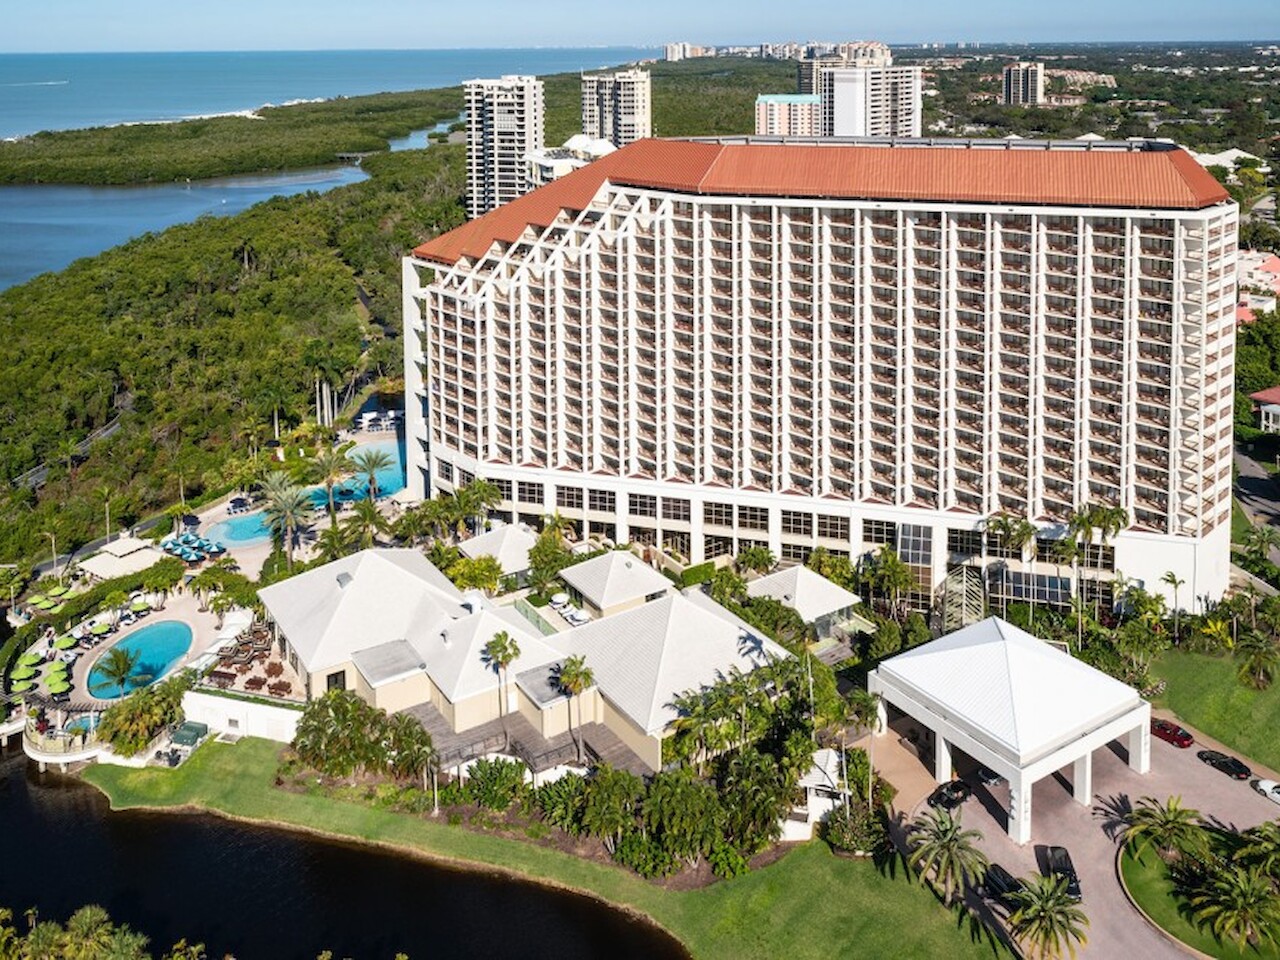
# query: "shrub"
(560, 803)
(726, 862)
(885, 642)
(496, 784)
(132, 723)
(455, 793)
(644, 855)
(856, 827)
(702, 573)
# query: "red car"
(1171, 733)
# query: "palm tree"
(863, 708)
(1046, 920)
(574, 677)
(411, 752)
(116, 669)
(756, 559)
(1174, 581)
(1259, 658)
(1261, 847)
(561, 526)
(500, 652)
(1172, 828)
(88, 934)
(1238, 904)
(330, 467)
(333, 542)
(365, 523)
(368, 463)
(477, 498)
(1260, 541)
(891, 576)
(287, 511)
(939, 846)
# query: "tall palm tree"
(561, 525)
(1046, 921)
(116, 669)
(330, 467)
(1260, 541)
(288, 511)
(1170, 827)
(365, 523)
(500, 652)
(863, 708)
(941, 847)
(1238, 904)
(1174, 581)
(334, 542)
(88, 934)
(574, 677)
(1259, 657)
(367, 463)
(479, 497)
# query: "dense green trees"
(341, 736)
(129, 725)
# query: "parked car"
(1269, 789)
(1058, 863)
(1170, 732)
(988, 777)
(1000, 885)
(950, 795)
(1221, 762)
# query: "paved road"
(1089, 833)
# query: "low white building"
(1017, 705)
(614, 582)
(120, 558)
(508, 544)
(821, 604)
(546, 164)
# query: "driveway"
(1089, 833)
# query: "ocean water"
(68, 91)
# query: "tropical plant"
(330, 467)
(1175, 583)
(756, 559)
(129, 725)
(1045, 920)
(341, 735)
(1260, 847)
(683, 813)
(942, 849)
(754, 794)
(1259, 658)
(1216, 634)
(610, 804)
(365, 524)
(368, 463)
(547, 557)
(1169, 826)
(162, 578)
(1238, 904)
(334, 542)
(475, 500)
(288, 512)
(574, 677)
(476, 573)
(560, 802)
(116, 667)
(496, 783)
(499, 653)
(727, 587)
(114, 601)
(1260, 541)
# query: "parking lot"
(1091, 833)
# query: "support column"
(1019, 826)
(1082, 779)
(1139, 743)
(941, 758)
(882, 717)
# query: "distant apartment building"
(788, 115)
(862, 53)
(551, 163)
(1023, 85)
(504, 125)
(617, 106)
(713, 345)
(675, 52)
(871, 101)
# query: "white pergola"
(1017, 705)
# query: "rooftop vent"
(444, 637)
(343, 579)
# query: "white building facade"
(617, 107)
(1023, 85)
(788, 115)
(505, 120)
(871, 101)
(714, 345)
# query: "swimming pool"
(251, 529)
(159, 646)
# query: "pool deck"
(183, 607)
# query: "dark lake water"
(272, 895)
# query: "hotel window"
(529, 492)
(878, 531)
(641, 505)
(444, 471)
(964, 543)
(833, 528)
(504, 489)
(713, 547)
(336, 680)
(465, 478)
(718, 514)
(915, 544)
(753, 518)
(1098, 557)
(605, 500)
(673, 509)
(796, 552)
(797, 524)
(569, 498)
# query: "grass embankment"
(809, 904)
(1205, 692)
(1150, 886)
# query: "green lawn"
(1204, 692)
(809, 904)
(1150, 886)
(1240, 525)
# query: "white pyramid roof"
(642, 659)
(1018, 694)
(509, 545)
(807, 593)
(459, 667)
(618, 576)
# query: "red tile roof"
(1269, 395)
(1151, 179)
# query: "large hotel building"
(845, 345)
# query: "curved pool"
(159, 646)
(244, 530)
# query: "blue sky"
(83, 25)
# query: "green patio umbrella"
(65, 642)
(57, 591)
(30, 659)
(37, 598)
(98, 629)
(59, 608)
(23, 673)
(22, 686)
(58, 686)
(56, 667)
(140, 604)
(46, 604)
